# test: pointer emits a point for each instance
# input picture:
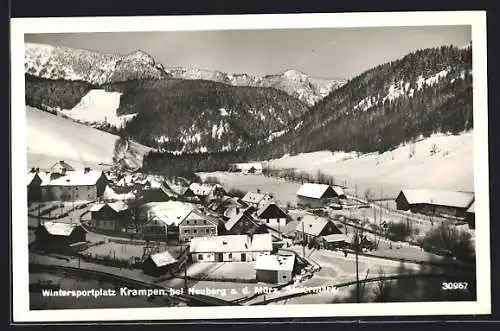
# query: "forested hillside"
(426, 91)
(203, 116)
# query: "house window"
(187, 222)
(284, 276)
(96, 222)
(204, 222)
(186, 231)
(267, 221)
(194, 231)
(208, 230)
(230, 255)
(200, 256)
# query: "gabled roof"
(203, 189)
(117, 206)
(438, 197)
(63, 165)
(312, 224)
(75, 178)
(163, 259)
(235, 218)
(59, 228)
(197, 214)
(275, 262)
(318, 191)
(254, 197)
(268, 208)
(231, 243)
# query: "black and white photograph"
(292, 165)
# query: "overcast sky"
(327, 53)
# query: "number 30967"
(447, 286)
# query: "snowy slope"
(52, 138)
(99, 106)
(448, 166)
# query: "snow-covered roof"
(275, 262)
(232, 243)
(439, 198)
(254, 197)
(471, 209)
(247, 166)
(168, 212)
(63, 165)
(59, 228)
(75, 178)
(162, 259)
(317, 191)
(311, 224)
(117, 206)
(269, 208)
(197, 214)
(235, 218)
(335, 238)
(44, 176)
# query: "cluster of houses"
(216, 227)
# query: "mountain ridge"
(98, 68)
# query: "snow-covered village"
(177, 186)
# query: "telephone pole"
(356, 247)
(303, 241)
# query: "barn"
(314, 195)
(230, 248)
(275, 269)
(110, 216)
(435, 202)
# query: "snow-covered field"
(439, 162)
(98, 106)
(52, 138)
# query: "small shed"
(275, 269)
(60, 234)
(159, 264)
(112, 216)
(314, 195)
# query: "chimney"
(37, 169)
(87, 169)
(33, 170)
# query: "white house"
(230, 248)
